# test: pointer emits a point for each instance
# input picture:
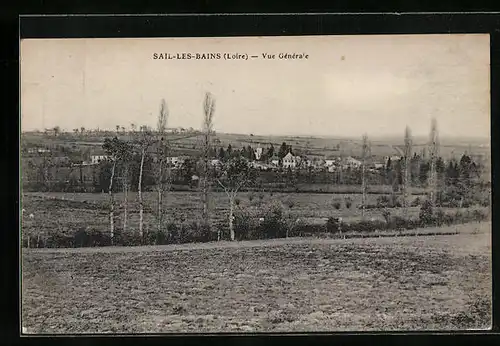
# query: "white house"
(95, 159)
(393, 158)
(260, 165)
(175, 160)
(330, 162)
(216, 163)
(258, 153)
(352, 162)
(289, 161)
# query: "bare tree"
(162, 118)
(144, 142)
(236, 174)
(125, 151)
(162, 174)
(208, 112)
(112, 149)
(365, 153)
(406, 170)
(434, 152)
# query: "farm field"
(67, 212)
(403, 283)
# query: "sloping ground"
(405, 283)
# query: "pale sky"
(349, 85)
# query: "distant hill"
(320, 146)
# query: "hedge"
(274, 224)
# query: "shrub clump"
(383, 202)
(416, 202)
(333, 225)
(245, 225)
(426, 214)
(348, 202)
(274, 223)
(386, 213)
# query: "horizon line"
(303, 135)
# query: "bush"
(386, 213)
(245, 227)
(478, 215)
(131, 238)
(426, 213)
(155, 237)
(274, 224)
(459, 217)
(195, 232)
(348, 202)
(440, 217)
(336, 205)
(57, 240)
(398, 223)
(332, 225)
(383, 201)
(448, 219)
(416, 202)
(395, 202)
(366, 226)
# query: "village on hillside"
(76, 157)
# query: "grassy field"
(68, 212)
(404, 283)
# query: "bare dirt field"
(293, 285)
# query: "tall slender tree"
(270, 151)
(112, 148)
(143, 142)
(126, 154)
(365, 153)
(161, 176)
(406, 170)
(161, 125)
(434, 153)
(208, 115)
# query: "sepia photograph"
(255, 184)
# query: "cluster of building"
(289, 161)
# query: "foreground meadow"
(399, 283)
